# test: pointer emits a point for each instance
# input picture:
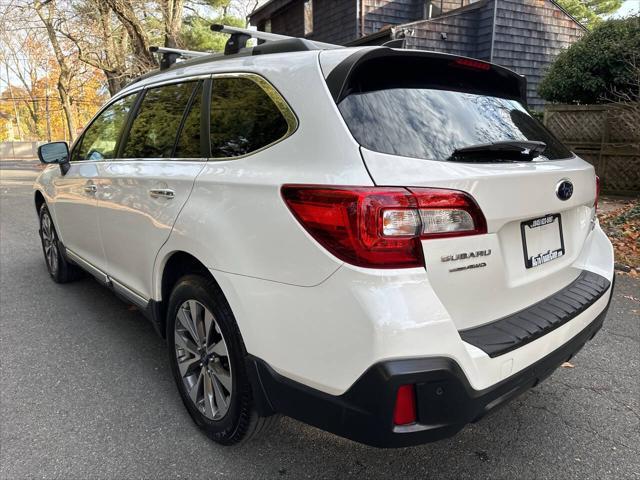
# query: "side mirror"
(55, 152)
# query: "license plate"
(542, 240)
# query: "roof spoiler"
(497, 80)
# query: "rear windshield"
(427, 108)
(431, 124)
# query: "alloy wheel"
(203, 359)
(50, 243)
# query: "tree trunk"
(109, 53)
(64, 80)
(115, 51)
(115, 82)
(172, 13)
(48, 117)
(65, 100)
(139, 39)
(13, 100)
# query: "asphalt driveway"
(86, 392)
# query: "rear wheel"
(59, 268)
(207, 359)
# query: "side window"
(155, 126)
(243, 118)
(188, 144)
(100, 139)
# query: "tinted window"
(100, 139)
(243, 118)
(188, 145)
(432, 123)
(155, 127)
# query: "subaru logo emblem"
(564, 189)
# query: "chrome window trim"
(162, 159)
(162, 83)
(107, 160)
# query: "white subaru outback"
(379, 242)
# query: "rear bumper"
(446, 401)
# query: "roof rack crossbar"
(240, 36)
(170, 55)
(264, 36)
(236, 45)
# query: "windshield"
(432, 123)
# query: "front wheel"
(207, 360)
(59, 268)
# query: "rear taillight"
(448, 213)
(381, 227)
(404, 411)
(595, 203)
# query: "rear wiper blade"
(507, 150)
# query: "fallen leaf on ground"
(622, 226)
(568, 365)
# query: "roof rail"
(170, 55)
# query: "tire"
(209, 370)
(59, 268)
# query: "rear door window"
(244, 118)
(156, 124)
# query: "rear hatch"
(433, 120)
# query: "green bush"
(601, 62)
(590, 12)
(196, 33)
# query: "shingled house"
(524, 35)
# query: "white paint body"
(311, 317)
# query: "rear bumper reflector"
(508, 333)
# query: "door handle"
(162, 193)
(91, 188)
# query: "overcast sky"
(629, 7)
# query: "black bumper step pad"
(508, 333)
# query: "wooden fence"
(607, 136)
